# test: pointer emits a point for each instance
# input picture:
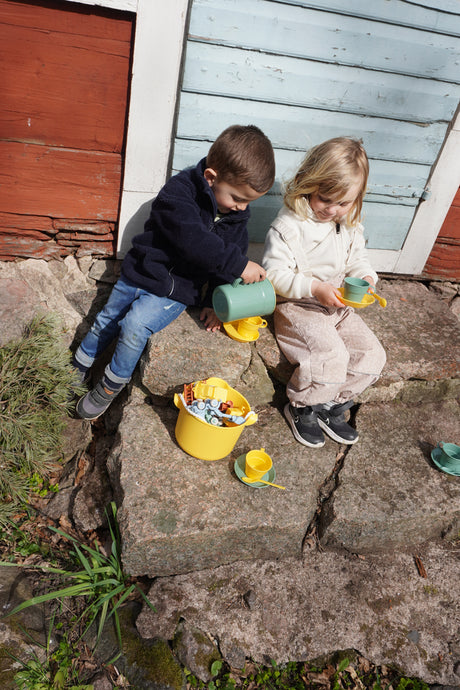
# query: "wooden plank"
(14, 222)
(61, 183)
(13, 246)
(79, 101)
(386, 177)
(385, 225)
(312, 34)
(441, 17)
(204, 116)
(8, 233)
(443, 262)
(456, 201)
(66, 18)
(280, 79)
(443, 184)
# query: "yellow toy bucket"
(204, 441)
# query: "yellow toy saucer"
(367, 300)
(233, 332)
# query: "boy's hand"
(211, 322)
(326, 294)
(253, 273)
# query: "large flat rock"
(180, 513)
(391, 495)
(185, 351)
(421, 337)
(292, 610)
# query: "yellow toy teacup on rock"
(257, 464)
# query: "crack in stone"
(325, 493)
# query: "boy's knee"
(133, 332)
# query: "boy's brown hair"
(330, 169)
(243, 155)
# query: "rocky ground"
(362, 549)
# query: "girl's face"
(326, 209)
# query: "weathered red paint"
(444, 260)
(65, 86)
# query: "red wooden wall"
(444, 260)
(65, 85)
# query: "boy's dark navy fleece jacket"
(183, 247)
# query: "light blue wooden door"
(387, 71)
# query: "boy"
(196, 234)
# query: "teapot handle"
(237, 281)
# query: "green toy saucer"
(240, 464)
(367, 300)
(435, 456)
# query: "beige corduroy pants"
(336, 355)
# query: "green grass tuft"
(36, 385)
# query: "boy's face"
(230, 197)
(333, 209)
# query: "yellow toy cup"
(257, 464)
(247, 328)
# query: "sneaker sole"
(297, 436)
(335, 437)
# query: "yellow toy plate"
(367, 300)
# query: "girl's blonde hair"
(330, 169)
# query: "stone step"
(419, 332)
(421, 337)
(180, 514)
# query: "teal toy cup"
(354, 289)
(449, 456)
(238, 300)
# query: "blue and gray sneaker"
(96, 401)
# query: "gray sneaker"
(332, 421)
(95, 403)
(304, 424)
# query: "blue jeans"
(132, 314)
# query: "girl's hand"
(211, 322)
(326, 294)
(369, 280)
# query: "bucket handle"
(250, 419)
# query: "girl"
(314, 243)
